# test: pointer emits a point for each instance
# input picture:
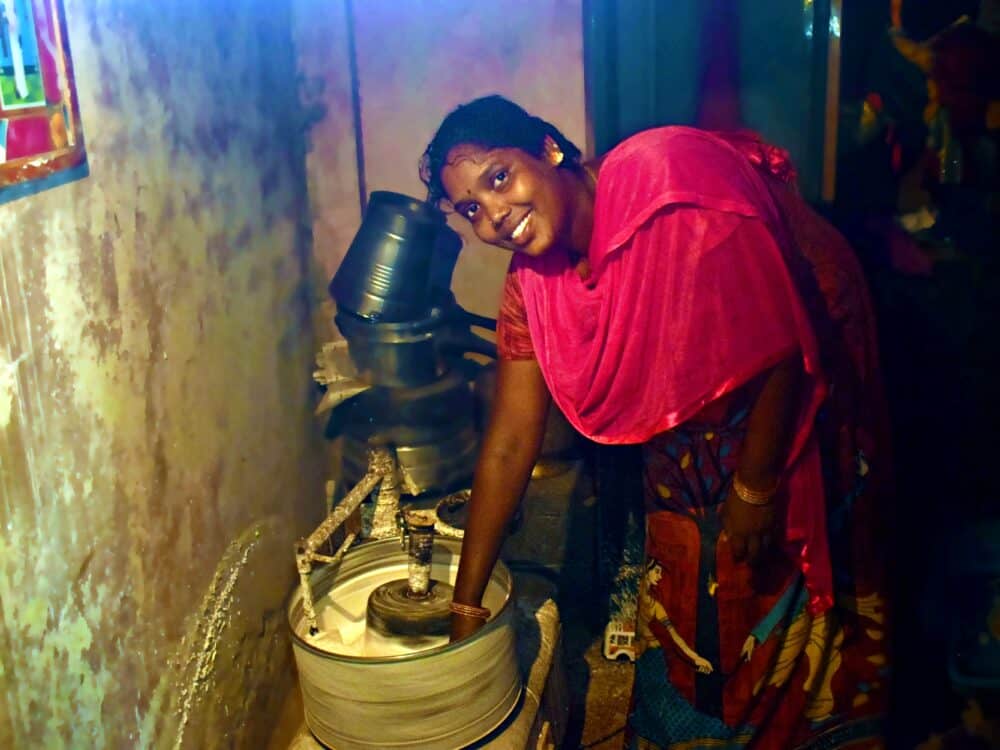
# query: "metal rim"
(390, 332)
(416, 207)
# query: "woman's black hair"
(490, 122)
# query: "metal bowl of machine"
(411, 353)
(431, 428)
(398, 355)
(445, 696)
(385, 274)
(429, 465)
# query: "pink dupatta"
(689, 297)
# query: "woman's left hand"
(749, 527)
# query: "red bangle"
(469, 611)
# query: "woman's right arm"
(509, 450)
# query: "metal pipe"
(344, 509)
(359, 142)
(384, 521)
(336, 557)
(420, 527)
(832, 118)
(381, 469)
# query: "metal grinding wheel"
(415, 606)
(441, 697)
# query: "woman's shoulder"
(651, 150)
(657, 141)
(639, 144)
(681, 147)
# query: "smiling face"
(512, 199)
(654, 574)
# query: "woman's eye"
(500, 178)
(470, 210)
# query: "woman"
(653, 611)
(679, 295)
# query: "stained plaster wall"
(157, 450)
(416, 61)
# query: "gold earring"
(557, 157)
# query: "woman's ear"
(553, 154)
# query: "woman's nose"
(497, 214)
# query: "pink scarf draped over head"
(688, 298)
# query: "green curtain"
(660, 62)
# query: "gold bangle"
(469, 611)
(753, 497)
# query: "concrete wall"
(416, 61)
(157, 450)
